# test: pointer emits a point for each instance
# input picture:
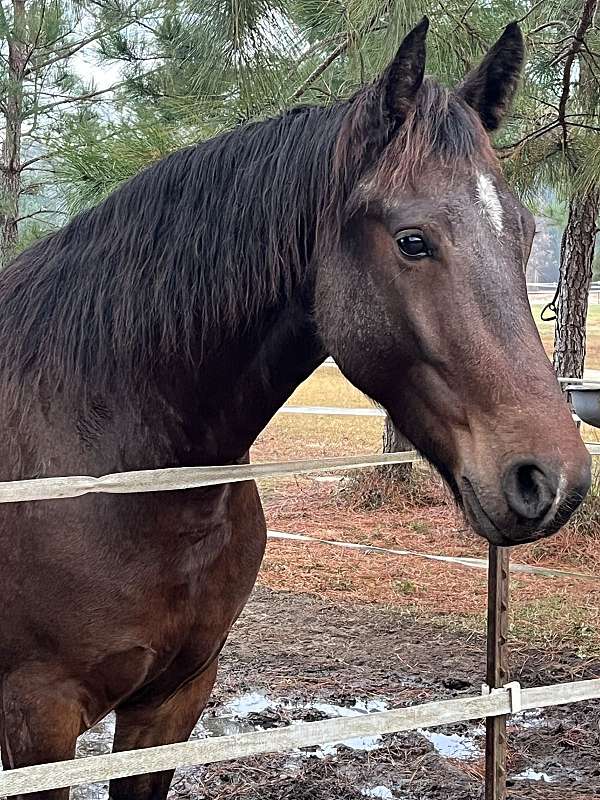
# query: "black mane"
(197, 243)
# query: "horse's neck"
(241, 386)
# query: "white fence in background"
(544, 292)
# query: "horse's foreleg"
(146, 724)
(40, 720)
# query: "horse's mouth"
(482, 523)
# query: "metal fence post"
(497, 670)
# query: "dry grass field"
(546, 330)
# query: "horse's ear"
(402, 79)
(376, 111)
(489, 89)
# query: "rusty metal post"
(497, 670)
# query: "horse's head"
(423, 303)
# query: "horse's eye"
(412, 244)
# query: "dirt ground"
(294, 658)
(308, 651)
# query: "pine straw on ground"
(543, 608)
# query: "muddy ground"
(294, 657)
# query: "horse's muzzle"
(535, 500)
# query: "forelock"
(440, 131)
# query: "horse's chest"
(203, 585)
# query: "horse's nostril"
(529, 490)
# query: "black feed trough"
(586, 402)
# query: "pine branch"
(70, 50)
(467, 11)
(541, 101)
(554, 23)
(4, 19)
(591, 55)
(316, 73)
(78, 99)
(533, 8)
(336, 53)
(510, 149)
(49, 46)
(66, 52)
(462, 23)
(37, 214)
(26, 164)
(584, 126)
(35, 43)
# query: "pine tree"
(43, 95)
(555, 144)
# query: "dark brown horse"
(165, 328)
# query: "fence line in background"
(95, 769)
(590, 376)
(334, 410)
(594, 286)
(462, 561)
(362, 411)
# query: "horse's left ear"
(489, 89)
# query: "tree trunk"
(10, 178)
(576, 262)
(395, 442)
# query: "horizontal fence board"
(559, 694)
(177, 478)
(120, 765)
(165, 480)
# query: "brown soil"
(553, 611)
(304, 649)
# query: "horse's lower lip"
(482, 522)
(478, 517)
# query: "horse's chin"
(480, 522)
(483, 524)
